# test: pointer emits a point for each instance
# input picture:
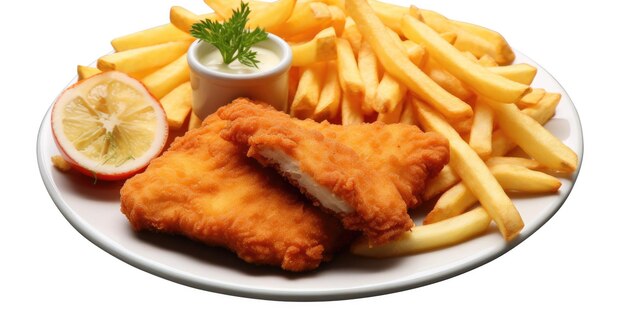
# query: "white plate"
(94, 210)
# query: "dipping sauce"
(213, 60)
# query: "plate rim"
(174, 275)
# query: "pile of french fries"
(358, 61)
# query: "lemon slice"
(109, 126)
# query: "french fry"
(350, 110)
(525, 162)
(167, 78)
(338, 17)
(392, 116)
(368, 68)
(449, 37)
(472, 41)
(306, 21)
(308, 92)
(184, 19)
(521, 73)
(440, 183)
(293, 80)
(194, 121)
(352, 35)
(397, 63)
(487, 61)
(322, 47)
(530, 99)
(330, 96)
(177, 105)
(408, 115)
(503, 52)
(389, 94)
(274, 16)
(446, 80)
(475, 174)
(389, 14)
(535, 140)
(417, 54)
(482, 128)
(463, 127)
(542, 112)
(428, 237)
(472, 74)
(142, 59)
(224, 8)
(545, 108)
(86, 71)
(513, 178)
(349, 76)
(150, 37)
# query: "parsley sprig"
(231, 37)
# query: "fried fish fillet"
(205, 188)
(329, 172)
(409, 156)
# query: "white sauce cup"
(213, 89)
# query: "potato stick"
(294, 79)
(463, 127)
(470, 41)
(440, 183)
(338, 17)
(446, 80)
(223, 7)
(475, 174)
(417, 54)
(146, 58)
(397, 64)
(512, 178)
(449, 37)
(521, 73)
(428, 237)
(149, 37)
(306, 21)
(86, 71)
(542, 112)
(368, 68)
(330, 97)
(501, 46)
(349, 76)
(167, 78)
(194, 121)
(470, 56)
(392, 116)
(408, 115)
(322, 47)
(352, 35)
(177, 105)
(389, 14)
(390, 93)
(533, 138)
(525, 162)
(273, 16)
(308, 92)
(350, 110)
(482, 129)
(487, 61)
(183, 19)
(475, 76)
(530, 99)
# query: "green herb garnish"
(231, 37)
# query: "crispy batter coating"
(205, 188)
(333, 171)
(409, 156)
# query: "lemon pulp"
(110, 124)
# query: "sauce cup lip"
(282, 66)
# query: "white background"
(574, 262)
